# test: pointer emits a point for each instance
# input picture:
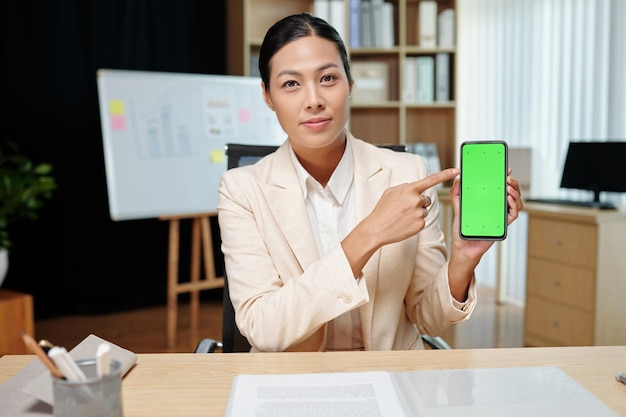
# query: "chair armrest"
(208, 346)
(435, 342)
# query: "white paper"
(345, 394)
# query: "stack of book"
(427, 23)
(427, 78)
(446, 33)
(419, 76)
(331, 11)
(435, 29)
(371, 24)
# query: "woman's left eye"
(328, 77)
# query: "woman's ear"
(266, 97)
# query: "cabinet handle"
(558, 242)
(555, 323)
(557, 283)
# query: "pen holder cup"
(94, 397)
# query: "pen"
(45, 345)
(66, 364)
(37, 350)
(103, 365)
(621, 377)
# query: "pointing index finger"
(436, 178)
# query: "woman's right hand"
(399, 213)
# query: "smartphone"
(483, 213)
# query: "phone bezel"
(506, 163)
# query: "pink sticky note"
(244, 115)
(118, 122)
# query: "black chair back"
(238, 155)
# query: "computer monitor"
(595, 166)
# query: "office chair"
(232, 339)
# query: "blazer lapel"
(286, 202)
(370, 181)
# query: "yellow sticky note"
(217, 156)
(116, 107)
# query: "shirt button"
(347, 298)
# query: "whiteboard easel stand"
(200, 239)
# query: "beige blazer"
(284, 293)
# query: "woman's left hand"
(466, 254)
(475, 249)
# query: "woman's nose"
(314, 99)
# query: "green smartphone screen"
(483, 190)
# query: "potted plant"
(24, 187)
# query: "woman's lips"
(316, 123)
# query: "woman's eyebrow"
(294, 72)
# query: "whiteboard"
(164, 136)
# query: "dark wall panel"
(75, 259)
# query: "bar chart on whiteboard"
(164, 137)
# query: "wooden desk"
(187, 384)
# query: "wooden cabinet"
(576, 276)
(16, 315)
(391, 121)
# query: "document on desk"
(511, 392)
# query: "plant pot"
(4, 264)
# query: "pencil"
(37, 350)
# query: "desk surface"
(199, 384)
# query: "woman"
(331, 243)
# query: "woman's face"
(309, 91)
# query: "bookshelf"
(395, 120)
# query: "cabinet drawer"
(562, 325)
(563, 284)
(572, 243)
